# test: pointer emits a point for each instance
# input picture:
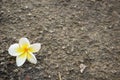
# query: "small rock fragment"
(27, 77)
(82, 67)
(93, 0)
(29, 14)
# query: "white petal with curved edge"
(20, 60)
(31, 58)
(24, 41)
(13, 50)
(35, 47)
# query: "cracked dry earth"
(72, 33)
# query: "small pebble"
(82, 68)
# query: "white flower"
(23, 50)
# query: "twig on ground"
(59, 76)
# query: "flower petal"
(13, 50)
(24, 42)
(20, 60)
(31, 58)
(35, 47)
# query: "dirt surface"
(72, 32)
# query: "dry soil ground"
(72, 32)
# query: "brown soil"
(72, 32)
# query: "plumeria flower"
(23, 50)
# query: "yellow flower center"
(24, 49)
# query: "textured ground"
(72, 32)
